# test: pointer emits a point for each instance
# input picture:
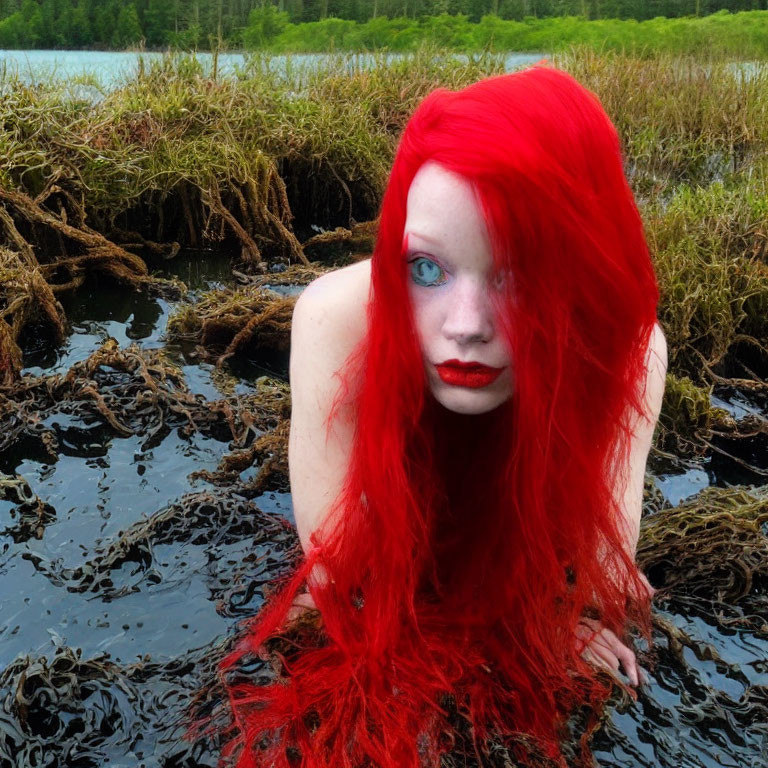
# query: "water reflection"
(161, 605)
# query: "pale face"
(451, 278)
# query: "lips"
(472, 375)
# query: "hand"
(602, 648)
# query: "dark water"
(125, 651)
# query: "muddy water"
(102, 650)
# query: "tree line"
(206, 23)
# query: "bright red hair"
(466, 548)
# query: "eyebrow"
(426, 238)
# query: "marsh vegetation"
(680, 26)
(261, 181)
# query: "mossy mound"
(714, 545)
(225, 320)
(253, 164)
(710, 256)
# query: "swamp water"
(122, 590)
(108, 69)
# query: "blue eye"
(425, 272)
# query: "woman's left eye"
(426, 272)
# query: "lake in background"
(111, 68)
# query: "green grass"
(741, 35)
(254, 162)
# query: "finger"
(608, 658)
(601, 658)
(599, 651)
(605, 650)
(595, 645)
(590, 632)
(628, 662)
(585, 631)
(623, 653)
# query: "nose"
(469, 317)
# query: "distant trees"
(128, 31)
(158, 20)
(193, 23)
(264, 25)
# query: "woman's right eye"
(426, 272)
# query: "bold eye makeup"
(426, 272)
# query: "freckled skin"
(450, 277)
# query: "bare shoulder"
(342, 288)
(333, 307)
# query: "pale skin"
(450, 273)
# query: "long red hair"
(464, 549)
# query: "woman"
(472, 413)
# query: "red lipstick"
(473, 375)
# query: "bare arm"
(602, 646)
(643, 427)
(328, 322)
